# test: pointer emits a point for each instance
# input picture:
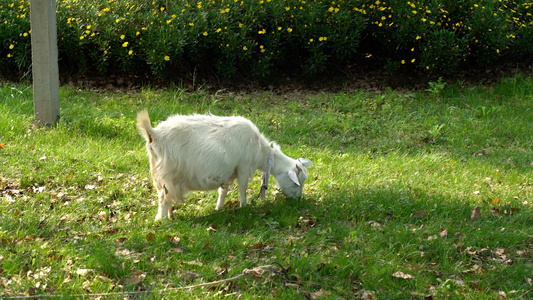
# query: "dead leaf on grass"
(475, 214)
(420, 213)
(319, 294)
(402, 275)
(83, 272)
(134, 279)
(367, 295)
(102, 215)
(174, 239)
(375, 225)
(150, 236)
(189, 276)
(212, 227)
(177, 249)
(90, 187)
(475, 286)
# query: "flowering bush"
(267, 37)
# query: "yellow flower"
(130, 52)
(167, 58)
(82, 37)
(311, 40)
(240, 25)
(199, 4)
(244, 48)
(412, 60)
(205, 33)
(137, 33)
(88, 26)
(418, 37)
(218, 30)
(279, 28)
(162, 8)
(9, 55)
(403, 62)
(125, 44)
(191, 24)
(25, 34)
(11, 46)
(289, 30)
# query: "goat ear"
(305, 162)
(294, 177)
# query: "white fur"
(203, 152)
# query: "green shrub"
(266, 38)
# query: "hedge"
(266, 38)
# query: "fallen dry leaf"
(319, 294)
(90, 187)
(83, 272)
(150, 236)
(174, 239)
(402, 275)
(367, 295)
(475, 213)
(134, 279)
(189, 276)
(443, 233)
(475, 286)
(375, 224)
(102, 215)
(420, 213)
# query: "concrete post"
(44, 61)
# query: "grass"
(395, 184)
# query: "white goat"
(204, 152)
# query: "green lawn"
(422, 195)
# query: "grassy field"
(422, 195)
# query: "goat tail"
(144, 126)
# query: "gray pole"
(44, 61)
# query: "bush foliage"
(266, 38)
